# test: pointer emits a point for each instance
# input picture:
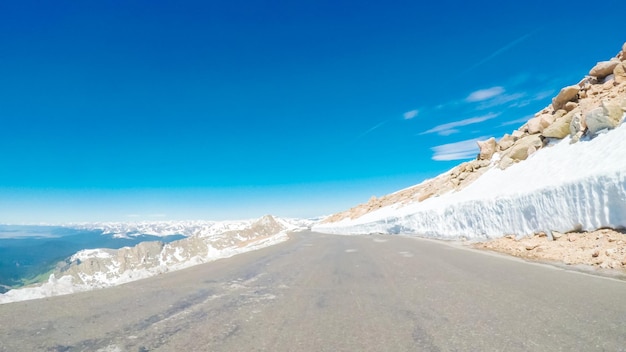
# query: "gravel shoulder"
(602, 251)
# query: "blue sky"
(153, 110)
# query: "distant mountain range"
(202, 241)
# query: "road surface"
(320, 292)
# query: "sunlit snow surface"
(172, 257)
(559, 188)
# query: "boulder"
(566, 94)
(534, 125)
(505, 162)
(517, 134)
(506, 142)
(487, 148)
(603, 68)
(560, 128)
(607, 116)
(569, 106)
(619, 73)
(519, 151)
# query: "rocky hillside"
(581, 111)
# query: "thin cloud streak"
(370, 130)
(450, 128)
(501, 50)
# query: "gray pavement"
(320, 292)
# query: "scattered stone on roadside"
(598, 248)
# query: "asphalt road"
(335, 293)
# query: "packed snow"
(559, 188)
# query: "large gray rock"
(604, 68)
(608, 116)
(487, 148)
(566, 94)
(560, 128)
(577, 125)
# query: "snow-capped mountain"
(565, 169)
(165, 228)
(205, 241)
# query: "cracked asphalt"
(320, 292)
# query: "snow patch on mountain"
(206, 241)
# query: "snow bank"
(559, 188)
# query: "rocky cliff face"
(107, 267)
(596, 103)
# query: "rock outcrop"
(487, 149)
(607, 116)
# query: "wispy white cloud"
(410, 114)
(503, 99)
(447, 129)
(484, 94)
(133, 215)
(370, 130)
(466, 149)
